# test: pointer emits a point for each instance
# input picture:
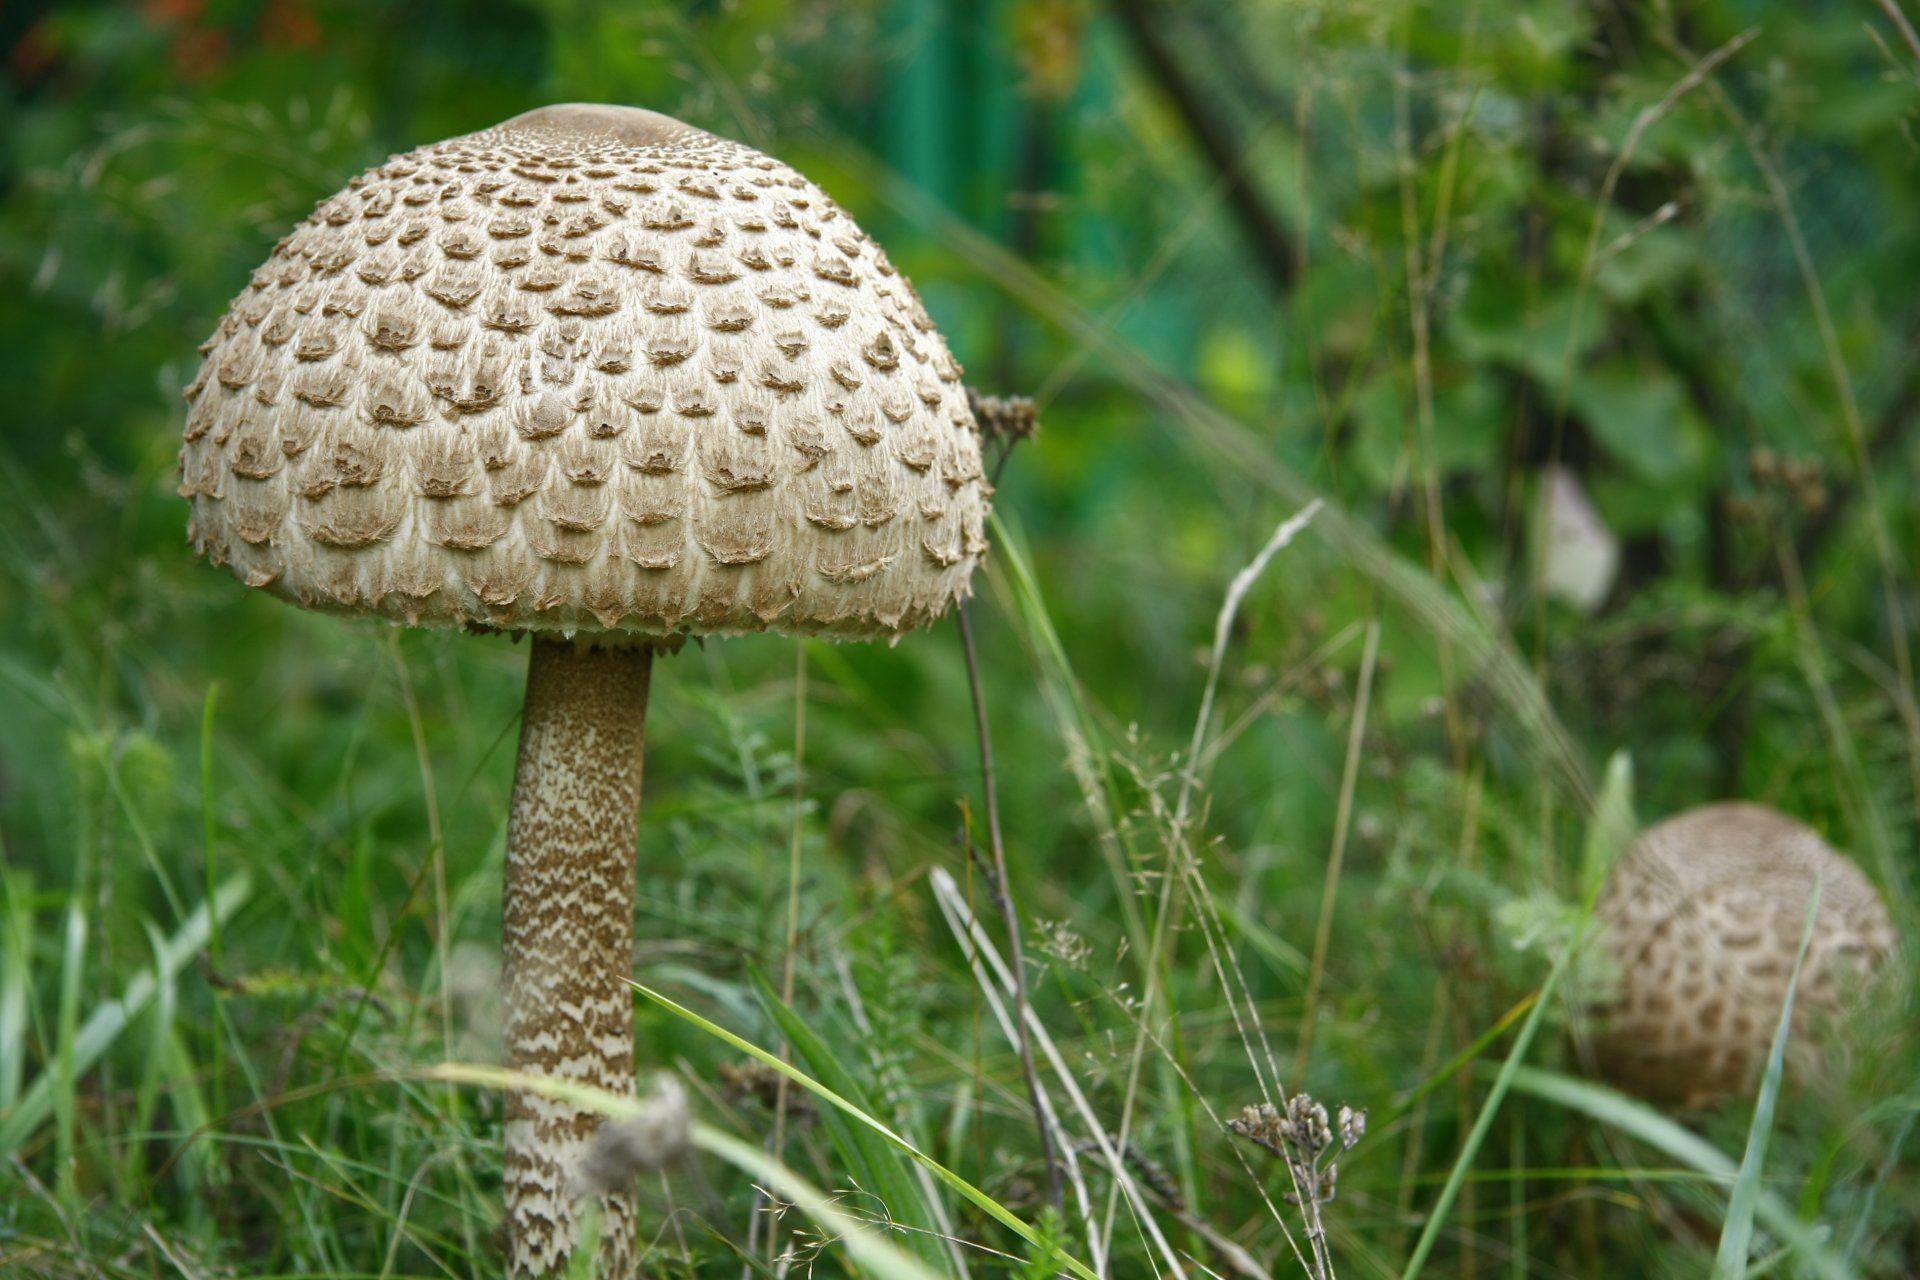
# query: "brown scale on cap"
(589, 369)
(592, 373)
(1703, 918)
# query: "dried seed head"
(1305, 1125)
(588, 369)
(1353, 1127)
(1301, 1136)
(1703, 919)
(1007, 419)
(1260, 1124)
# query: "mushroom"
(1703, 919)
(597, 376)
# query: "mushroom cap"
(589, 369)
(1703, 918)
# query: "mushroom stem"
(567, 945)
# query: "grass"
(1319, 814)
(327, 1120)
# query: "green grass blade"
(51, 1091)
(877, 1256)
(1736, 1231)
(1611, 828)
(1437, 1217)
(209, 828)
(66, 1067)
(993, 1208)
(1641, 1122)
(1274, 949)
(1608, 832)
(874, 1163)
(146, 1093)
(199, 1164)
(15, 962)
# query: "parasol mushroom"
(1703, 919)
(601, 377)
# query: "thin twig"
(1003, 898)
(1238, 1260)
(1219, 1123)
(1289, 529)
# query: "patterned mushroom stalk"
(1703, 919)
(598, 376)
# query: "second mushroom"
(1702, 920)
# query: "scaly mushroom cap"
(590, 368)
(1703, 917)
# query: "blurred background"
(1597, 327)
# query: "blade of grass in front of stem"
(1611, 828)
(153, 1075)
(1736, 1230)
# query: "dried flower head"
(1005, 419)
(1302, 1136)
(1353, 1127)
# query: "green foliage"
(1499, 239)
(1047, 1258)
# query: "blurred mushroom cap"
(589, 369)
(1703, 918)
